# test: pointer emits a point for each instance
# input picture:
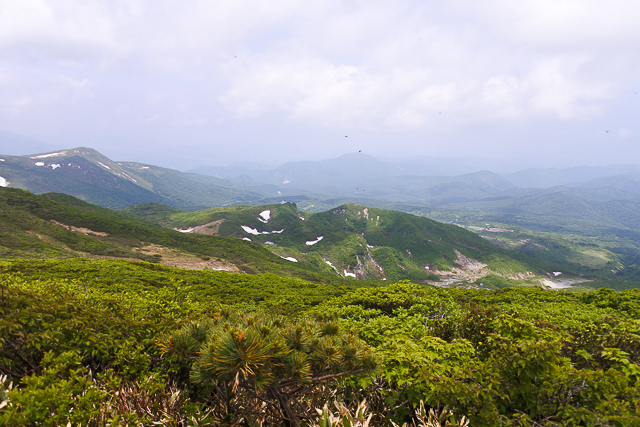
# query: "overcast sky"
(193, 82)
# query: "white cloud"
(406, 96)
(559, 88)
(375, 66)
(563, 24)
(57, 30)
(422, 67)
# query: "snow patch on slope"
(3, 182)
(252, 230)
(256, 232)
(264, 216)
(44, 156)
(289, 258)
(331, 265)
(313, 242)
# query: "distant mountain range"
(600, 204)
(583, 199)
(366, 178)
(91, 176)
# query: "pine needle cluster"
(276, 364)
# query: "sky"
(200, 82)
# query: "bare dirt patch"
(209, 229)
(201, 265)
(469, 264)
(468, 270)
(80, 229)
(561, 283)
(174, 258)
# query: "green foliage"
(248, 359)
(63, 393)
(496, 282)
(178, 291)
(111, 338)
(510, 357)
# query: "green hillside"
(354, 241)
(79, 173)
(600, 239)
(88, 175)
(192, 191)
(60, 226)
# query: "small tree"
(266, 368)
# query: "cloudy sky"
(193, 82)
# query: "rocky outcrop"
(368, 268)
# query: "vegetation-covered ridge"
(356, 241)
(89, 175)
(340, 244)
(103, 342)
(588, 220)
(59, 226)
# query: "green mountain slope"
(83, 173)
(601, 238)
(94, 178)
(560, 211)
(59, 226)
(353, 241)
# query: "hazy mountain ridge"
(90, 176)
(87, 174)
(361, 176)
(575, 176)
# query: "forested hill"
(347, 242)
(356, 241)
(60, 226)
(87, 174)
